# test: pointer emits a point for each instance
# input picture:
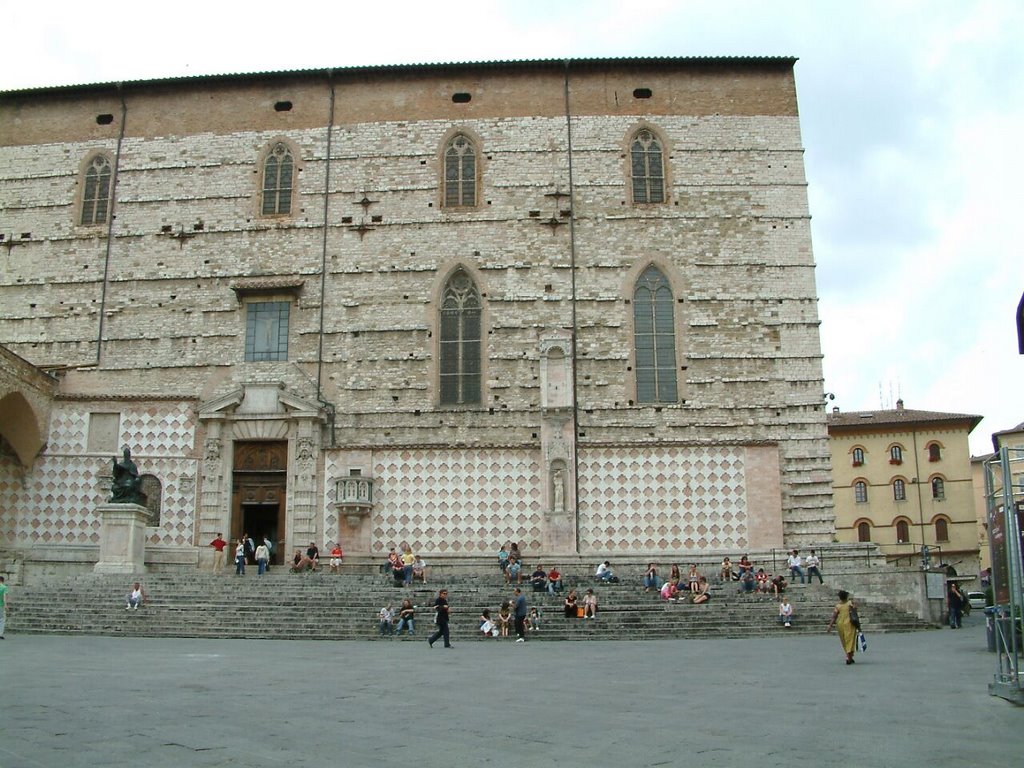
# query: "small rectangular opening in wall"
(26, 235)
(534, 214)
(376, 219)
(642, 93)
(165, 229)
(283, 106)
(197, 227)
(462, 98)
(565, 213)
(104, 119)
(355, 472)
(346, 219)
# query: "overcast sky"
(912, 115)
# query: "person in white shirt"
(785, 612)
(796, 563)
(136, 597)
(604, 572)
(387, 616)
(262, 558)
(812, 562)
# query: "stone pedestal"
(122, 538)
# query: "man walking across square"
(520, 615)
(441, 620)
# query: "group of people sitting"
(576, 607)
(499, 625)
(751, 581)
(406, 567)
(310, 561)
(392, 621)
(676, 587)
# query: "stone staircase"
(325, 606)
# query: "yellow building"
(902, 480)
(1010, 438)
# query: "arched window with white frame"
(278, 181)
(460, 172)
(97, 184)
(647, 167)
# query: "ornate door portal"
(259, 483)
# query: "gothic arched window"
(96, 192)
(459, 172)
(654, 338)
(460, 341)
(278, 181)
(647, 168)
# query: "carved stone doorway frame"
(262, 412)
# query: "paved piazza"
(912, 700)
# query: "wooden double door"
(259, 490)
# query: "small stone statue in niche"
(558, 497)
(127, 485)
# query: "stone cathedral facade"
(565, 303)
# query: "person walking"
(520, 615)
(441, 611)
(956, 606)
(262, 558)
(218, 545)
(841, 620)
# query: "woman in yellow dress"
(841, 619)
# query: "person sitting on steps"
(785, 612)
(605, 573)
(703, 593)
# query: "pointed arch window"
(647, 168)
(278, 181)
(96, 191)
(654, 338)
(460, 341)
(459, 172)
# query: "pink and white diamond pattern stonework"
(456, 501)
(662, 499)
(56, 501)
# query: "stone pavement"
(917, 699)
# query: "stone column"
(122, 538)
(558, 442)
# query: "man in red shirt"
(218, 545)
(554, 581)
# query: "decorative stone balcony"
(353, 497)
